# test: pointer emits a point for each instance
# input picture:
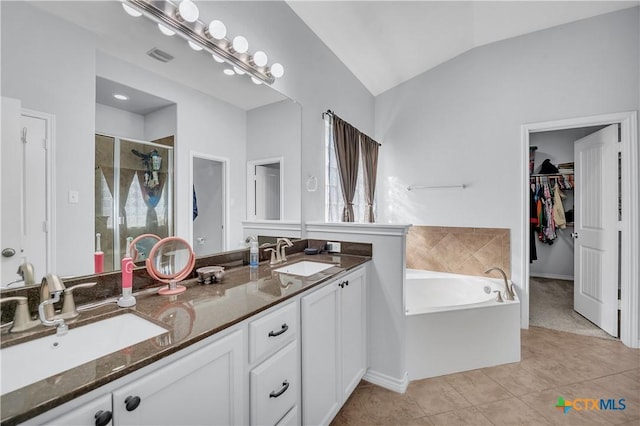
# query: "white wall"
(117, 122)
(556, 260)
(461, 121)
(275, 131)
(57, 76)
(161, 123)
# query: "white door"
(24, 191)
(595, 293)
(209, 200)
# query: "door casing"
(629, 225)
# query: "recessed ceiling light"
(120, 97)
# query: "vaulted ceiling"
(385, 43)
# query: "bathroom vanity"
(261, 347)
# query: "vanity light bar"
(164, 12)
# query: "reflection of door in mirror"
(26, 192)
(264, 189)
(134, 185)
(208, 205)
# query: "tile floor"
(554, 364)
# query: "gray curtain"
(369, 149)
(345, 138)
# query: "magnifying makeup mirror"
(142, 245)
(171, 260)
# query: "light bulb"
(131, 11)
(217, 29)
(277, 70)
(255, 80)
(166, 31)
(240, 44)
(260, 58)
(238, 71)
(120, 97)
(188, 11)
(228, 71)
(217, 58)
(194, 46)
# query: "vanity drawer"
(275, 385)
(272, 331)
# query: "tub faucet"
(50, 291)
(508, 289)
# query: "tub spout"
(508, 289)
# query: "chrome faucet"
(508, 289)
(50, 291)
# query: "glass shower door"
(143, 203)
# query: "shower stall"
(133, 193)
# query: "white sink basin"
(38, 359)
(304, 268)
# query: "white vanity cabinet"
(204, 387)
(274, 357)
(333, 346)
(97, 412)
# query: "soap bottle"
(253, 254)
(127, 299)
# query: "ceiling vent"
(160, 55)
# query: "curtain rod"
(329, 113)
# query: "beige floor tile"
(634, 374)
(383, 406)
(436, 395)
(463, 417)
(518, 380)
(476, 387)
(512, 411)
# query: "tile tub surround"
(22, 404)
(108, 284)
(468, 251)
(553, 364)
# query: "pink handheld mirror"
(171, 260)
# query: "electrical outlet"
(333, 247)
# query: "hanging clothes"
(558, 208)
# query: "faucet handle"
(498, 296)
(274, 256)
(69, 304)
(21, 319)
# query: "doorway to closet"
(610, 283)
(555, 300)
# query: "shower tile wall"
(468, 251)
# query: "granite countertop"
(190, 317)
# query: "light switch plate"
(333, 247)
(74, 197)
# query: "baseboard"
(552, 276)
(387, 382)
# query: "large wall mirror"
(95, 173)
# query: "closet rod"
(412, 187)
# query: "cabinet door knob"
(285, 386)
(103, 418)
(284, 328)
(346, 282)
(132, 402)
(341, 285)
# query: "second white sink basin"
(38, 359)
(304, 268)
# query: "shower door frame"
(116, 195)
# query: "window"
(334, 201)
